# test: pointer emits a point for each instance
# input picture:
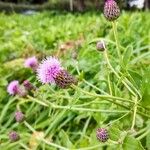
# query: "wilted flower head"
(64, 79)
(31, 62)
(13, 87)
(19, 116)
(13, 136)
(111, 10)
(28, 85)
(48, 70)
(102, 134)
(100, 45)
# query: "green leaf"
(145, 89)
(65, 139)
(114, 132)
(131, 143)
(148, 141)
(127, 55)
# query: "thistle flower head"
(111, 10)
(48, 70)
(19, 116)
(13, 87)
(64, 79)
(14, 136)
(102, 134)
(28, 85)
(31, 62)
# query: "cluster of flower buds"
(14, 88)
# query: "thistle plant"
(111, 13)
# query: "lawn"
(112, 90)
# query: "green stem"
(117, 75)
(87, 109)
(116, 38)
(134, 114)
(103, 96)
(143, 135)
(94, 87)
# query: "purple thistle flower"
(102, 134)
(48, 70)
(28, 85)
(31, 62)
(14, 136)
(111, 10)
(19, 116)
(13, 87)
(64, 79)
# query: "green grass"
(70, 117)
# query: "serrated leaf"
(131, 143)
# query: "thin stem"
(110, 123)
(94, 87)
(103, 96)
(134, 114)
(117, 75)
(143, 135)
(116, 38)
(87, 109)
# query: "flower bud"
(111, 10)
(28, 85)
(102, 134)
(64, 79)
(19, 116)
(100, 45)
(14, 136)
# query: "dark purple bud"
(100, 46)
(22, 92)
(14, 136)
(64, 79)
(111, 10)
(28, 85)
(102, 134)
(19, 116)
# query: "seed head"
(48, 70)
(19, 116)
(13, 87)
(102, 134)
(111, 10)
(32, 63)
(100, 46)
(14, 136)
(64, 79)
